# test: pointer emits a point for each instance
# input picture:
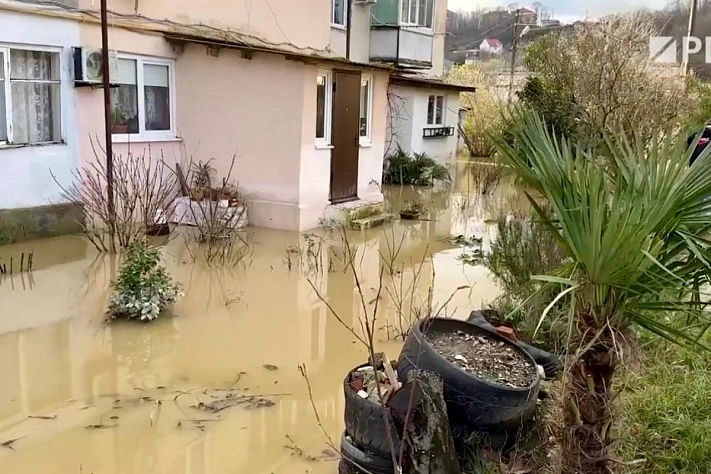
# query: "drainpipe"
(349, 14)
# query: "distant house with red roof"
(491, 46)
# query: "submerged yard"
(213, 386)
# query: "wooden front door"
(346, 134)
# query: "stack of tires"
(364, 445)
(473, 404)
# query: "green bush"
(525, 248)
(419, 169)
(143, 288)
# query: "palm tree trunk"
(588, 411)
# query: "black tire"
(365, 422)
(471, 401)
(358, 461)
(549, 361)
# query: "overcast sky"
(566, 10)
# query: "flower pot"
(158, 230)
(409, 215)
(119, 128)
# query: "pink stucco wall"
(261, 110)
(274, 21)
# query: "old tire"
(358, 461)
(549, 361)
(471, 401)
(365, 422)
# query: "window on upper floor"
(338, 12)
(30, 102)
(435, 110)
(417, 12)
(366, 109)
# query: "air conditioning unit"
(87, 66)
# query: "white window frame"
(325, 142)
(415, 4)
(367, 140)
(345, 14)
(144, 135)
(434, 123)
(7, 83)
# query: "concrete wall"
(25, 179)
(412, 119)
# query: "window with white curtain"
(435, 110)
(30, 96)
(143, 102)
(417, 12)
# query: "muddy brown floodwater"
(212, 388)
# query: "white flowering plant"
(143, 288)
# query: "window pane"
(405, 11)
(422, 12)
(430, 110)
(321, 107)
(339, 12)
(35, 112)
(3, 119)
(157, 96)
(364, 106)
(430, 13)
(413, 11)
(440, 109)
(124, 99)
(39, 65)
(126, 72)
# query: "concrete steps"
(358, 214)
(370, 222)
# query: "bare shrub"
(217, 214)
(144, 188)
(486, 177)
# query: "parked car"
(701, 144)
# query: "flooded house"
(298, 94)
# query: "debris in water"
(232, 400)
(155, 413)
(270, 367)
(43, 417)
(100, 426)
(8, 444)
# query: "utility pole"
(514, 49)
(692, 24)
(106, 80)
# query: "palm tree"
(634, 225)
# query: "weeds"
(666, 414)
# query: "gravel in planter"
(487, 358)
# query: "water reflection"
(58, 357)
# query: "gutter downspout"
(349, 22)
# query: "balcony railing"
(403, 46)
